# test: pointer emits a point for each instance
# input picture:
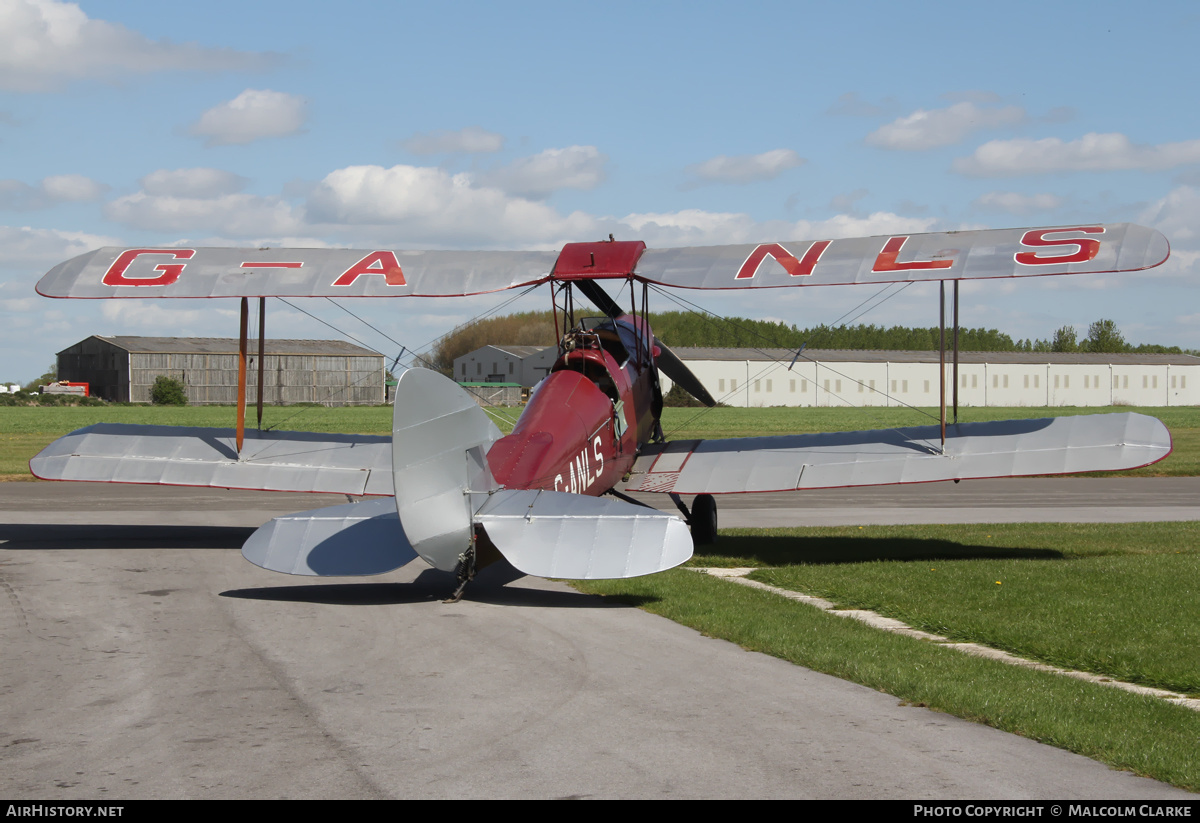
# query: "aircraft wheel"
(704, 520)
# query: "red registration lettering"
(886, 261)
(377, 262)
(115, 276)
(1086, 248)
(794, 267)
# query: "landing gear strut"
(701, 518)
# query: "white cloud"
(693, 227)
(252, 115)
(46, 43)
(1015, 203)
(930, 129)
(195, 182)
(61, 188)
(1092, 152)
(150, 315)
(236, 215)
(746, 168)
(539, 176)
(72, 188)
(1177, 216)
(22, 246)
(471, 140)
(426, 206)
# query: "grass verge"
(1115, 599)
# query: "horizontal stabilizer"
(193, 456)
(338, 541)
(571, 536)
(1002, 448)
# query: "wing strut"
(241, 398)
(262, 334)
(942, 357)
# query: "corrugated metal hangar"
(834, 377)
(329, 372)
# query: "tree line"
(681, 328)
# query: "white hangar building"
(762, 377)
(842, 377)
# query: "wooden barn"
(329, 372)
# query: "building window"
(995, 381)
(721, 385)
(1066, 381)
(927, 387)
(768, 385)
(510, 367)
(756, 387)
(733, 385)
(1154, 382)
(1026, 381)
(803, 386)
(1037, 380)
(837, 386)
(464, 369)
(792, 386)
(478, 368)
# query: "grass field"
(1119, 600)
(24, 431)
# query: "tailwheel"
(703, 520)
(464, 573)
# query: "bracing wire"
(707, 314)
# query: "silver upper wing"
(217, 272)
(1004, 448)
(960, 255)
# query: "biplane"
(551, 496)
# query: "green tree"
(1104, 336)
(49, 377)
(167, 391)
(1064, 340)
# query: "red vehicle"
(449, 488)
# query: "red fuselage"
(584, 423)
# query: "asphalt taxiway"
(144, 658)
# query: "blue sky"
(527, 125)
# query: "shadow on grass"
(792, 551)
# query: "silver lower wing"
(1004, 448)
(191, 456)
